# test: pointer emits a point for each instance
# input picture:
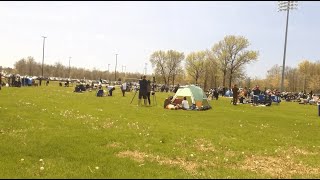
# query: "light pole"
(115, 69)
(108, 67)
(285, 6)
(125, 67)
(281, 67)
(69, 67)
(145, 68)
(42, 56)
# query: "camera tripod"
(134, 95)
(154, 98)
(154, 94)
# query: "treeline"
(28, 66)
(305, 77)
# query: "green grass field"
(51, 132)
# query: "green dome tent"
(195, 93)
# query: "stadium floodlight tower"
(69, 67)
(285, 6)
(115, 68)
(44, 38)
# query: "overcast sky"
(93, 32)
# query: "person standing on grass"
(123, 88)
(235, 90)
(216, 93)
(143, 90)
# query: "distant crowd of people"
(253, 95)
(20, 81)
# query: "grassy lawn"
(51, 132)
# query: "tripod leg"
(133, 96)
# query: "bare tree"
(220, 54)
(195, 65)
(158, 60)
(232, 55)
(173, 63)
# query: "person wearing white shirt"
(110, 89)
(185, 104)
(123, 88)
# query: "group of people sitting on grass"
(300, 97)
(99, 93)
(102, 93)
(268, 96)
(184, 104)
(254, 96)
(311, 98)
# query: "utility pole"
(285, 6)
(108, 67)
(145, 68)
(125, 67)
(42, 56)
(69, 67)
(115, 69)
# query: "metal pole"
(115, 69)
(108, 67)
(285, 49)
(43, 55)
(145, 73)
(69, 67)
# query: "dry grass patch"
(277, 167)
(203, 145)
(297, 151)
(107, 125)
(135, 155)
(189, 166)
(230, 153)
(115, 145)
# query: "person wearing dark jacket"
(256, 93)
(143, 90)
(235, 90)
(176, 88)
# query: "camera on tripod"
(150, 90)
(153, 85)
